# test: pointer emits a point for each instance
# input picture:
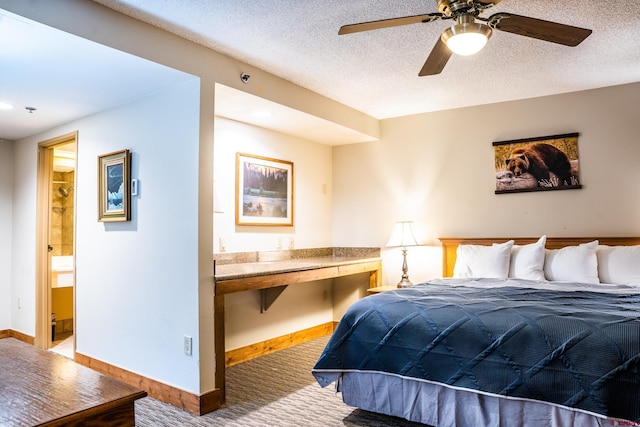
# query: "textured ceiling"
(377, 71)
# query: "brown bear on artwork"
(540, 159)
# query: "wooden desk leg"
(375, 278)
(218, 303)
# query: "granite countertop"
(252, 264)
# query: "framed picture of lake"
(537, 164)
(114, 192)
(264, 191)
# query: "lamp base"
(404, 282)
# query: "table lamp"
(402, 237)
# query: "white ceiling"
(375, 72)
(65, 77)
(241, 106)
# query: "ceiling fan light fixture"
(466, 38)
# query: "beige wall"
(298, 307)
(437, 169)
(312, 188)
(440, 174)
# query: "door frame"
(43, 236)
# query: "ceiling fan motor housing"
(454, 7)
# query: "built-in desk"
(271, 272)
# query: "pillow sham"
(572, 263)
(619, 265)
(483, 261)
(527, 261)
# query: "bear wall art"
(537, 164)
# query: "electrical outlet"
(279, 243)
(291, 242)
(188, 341)
(223, 245)
(19, 303)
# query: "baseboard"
(10, 333)
(210, 401)
(190, 402)
(243, 354)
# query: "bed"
(532, 332)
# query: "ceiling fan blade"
(538, 29)
(386, 23)
(437, 59)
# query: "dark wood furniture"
(40, 388)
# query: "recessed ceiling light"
(5, 106)
(261, 114)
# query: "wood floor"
(40, 388)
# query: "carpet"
(276, 390)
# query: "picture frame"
(264, 191)
(114, 191)
(537, 164)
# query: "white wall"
(300, 306)
(136, 282)
(312, 172)
(23, 273)
(6, 207)
(437, 169)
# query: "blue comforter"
(579, 349)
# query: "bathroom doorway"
(56, 244)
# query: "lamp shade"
(403, 235)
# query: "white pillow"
(527, 262)
(572, 263)
(483, 261)
(619, 265)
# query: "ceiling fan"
(467, 36)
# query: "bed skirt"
(444, 406)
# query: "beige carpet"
(273, 390)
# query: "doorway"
(55, 267)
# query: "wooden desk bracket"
(269, 295)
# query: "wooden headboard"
(450, 245)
